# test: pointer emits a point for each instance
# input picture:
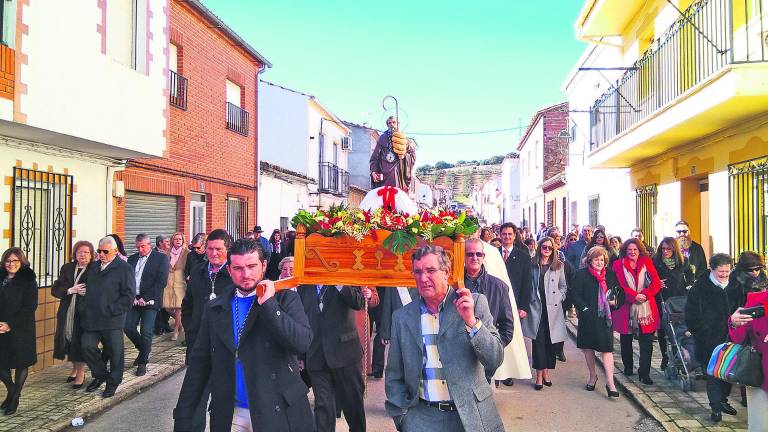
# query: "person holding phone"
(743, 326)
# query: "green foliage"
(443, 165)
(400, 241)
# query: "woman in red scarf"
(640, 314)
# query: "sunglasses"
(102, 251)
(475, 254)
(682, 231)
(545, 247)
(754, 269)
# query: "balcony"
(706, 73)
(333, 180)
(237, 119)
(178, 90)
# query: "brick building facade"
(209, 168)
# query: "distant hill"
(460, 177)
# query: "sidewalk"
(49, 404)
(666, 402)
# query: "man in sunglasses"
(102, 311)
(691, 250)
(197, 255)
(477, 280)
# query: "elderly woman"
(18, 301)
(545, 323)
(706, 313)
(68, 287)
(595, 293)
(744, 327)
(286, 267)
(676, 276)
(177, 282)
(637, 276)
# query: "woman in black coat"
(706, 313)
(70, 283)
(18, 301)
(595, 293)
(676, 276)
(748, 276)
(278, 253)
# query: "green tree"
(443, 165)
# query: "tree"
(493, 160)
(443, 165)
(424, 169)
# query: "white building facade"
(510, 189)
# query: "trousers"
(142, 341)
(344, 386)
(645, 341)
(717, 392)
(422, 417)
(113, 347)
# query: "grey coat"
(556, 288)
(464, 363)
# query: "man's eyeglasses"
(102, 251)
(475, 254)
(682, 231)
(754, 269)
(428, 271)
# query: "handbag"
(736, 364)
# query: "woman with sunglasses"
(676, 276)
(598, 239)
(545, 323)
(70, 286)
(18, 301)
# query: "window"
(594, 210)
(8, 23)
(237, 117)
(646, 211)
(748, 194)
(550, 213)
(42, 220)
(283, 226)
(564, 222)
(177, 83)
(535, 216)
(196, 213)
(121, 31)
(237, 217)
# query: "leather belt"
(441, 406)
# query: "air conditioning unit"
(345, 143)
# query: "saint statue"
(393, 158)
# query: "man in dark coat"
(691, 250)
(392, 300)
(334, 357)
(150, 269)
(108, 297)
(387, 168)
(518, 263)
(208, 280)
(477, 280)
(197, 254)
(246, 347)
(706, 313)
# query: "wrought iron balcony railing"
(333, 179)
(709, 35)
(178, 90)
(237, 119)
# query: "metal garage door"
(149, 214)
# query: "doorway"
(694, 209)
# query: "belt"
(441, 406)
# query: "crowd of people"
(252, 353)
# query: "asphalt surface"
(565, 406)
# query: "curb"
(162, 371)
(630, 389)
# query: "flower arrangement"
(406, 229)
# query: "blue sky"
(454, 66)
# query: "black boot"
(664, 362)
(7, 400)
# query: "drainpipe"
(257, 153)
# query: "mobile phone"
(754, 311)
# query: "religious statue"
(393, 158)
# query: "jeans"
(142, 342)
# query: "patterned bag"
(736, 364)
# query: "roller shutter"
(150, 214)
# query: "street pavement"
(564, 407)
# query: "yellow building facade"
(688, 115)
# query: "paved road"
(563, 407)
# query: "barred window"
(646, 211)
(42, 220)
(748, 193)
(237, 217)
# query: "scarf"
(175, 254)
(603, 308)
(640, 314)
(69, 324)
(669, 262)
(717, 282)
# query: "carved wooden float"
(343, 260)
